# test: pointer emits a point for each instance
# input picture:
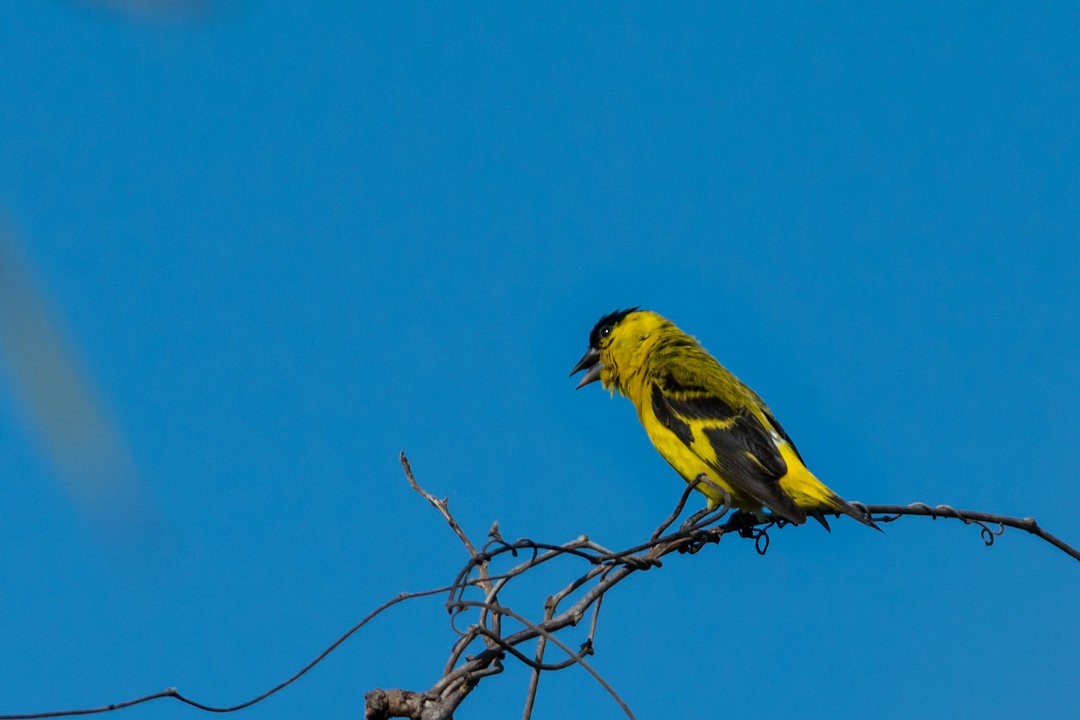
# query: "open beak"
(589, 361)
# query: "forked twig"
(443, 506)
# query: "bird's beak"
(589, 361)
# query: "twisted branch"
(891, 513)
(474, 598)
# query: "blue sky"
(281, 243)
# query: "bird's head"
(617, 346)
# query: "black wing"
(745, 454)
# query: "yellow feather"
(801, 484)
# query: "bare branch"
(583, 591)
(679, 506)
(176, 695)
(577, 658)
(890, 513)
(537, 664)
(443, 506)
(382, 704)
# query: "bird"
(708, 425)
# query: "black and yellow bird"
(704, 421)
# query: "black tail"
(840, 505)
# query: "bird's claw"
(744, 523)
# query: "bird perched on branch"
(704, 421)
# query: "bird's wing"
(732, 441)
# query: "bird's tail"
(813, 496)
(838, 505)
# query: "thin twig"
(566, 649)
(534, 678)
(676, 512)
(175, 694)
(1029, 524)
(443, 506)
(538, 660)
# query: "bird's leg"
(693, 519)
(711, 507)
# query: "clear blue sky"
(284, 241)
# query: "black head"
(605, 324)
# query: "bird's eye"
(605, 331)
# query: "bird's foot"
(744, 523)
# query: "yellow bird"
(703, 420)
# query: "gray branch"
(473, 600)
